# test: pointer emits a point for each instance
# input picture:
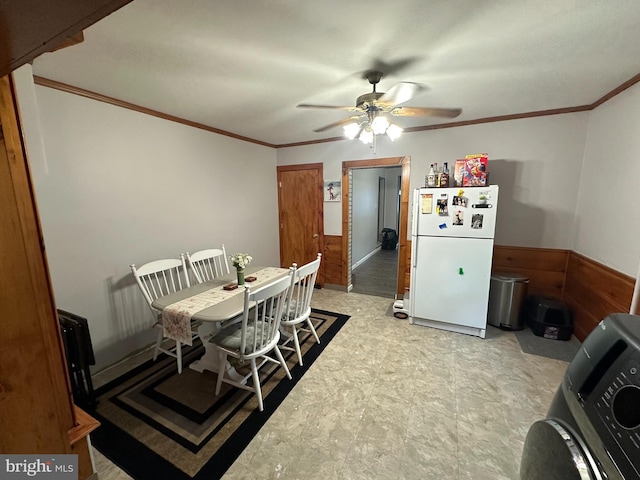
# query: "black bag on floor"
(389, 239)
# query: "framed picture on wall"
(332, 191)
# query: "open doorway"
(374, 233)
(349, 233)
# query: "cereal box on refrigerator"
(476, 170)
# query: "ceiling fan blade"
(333, 107)
(400, 93)
(426, 112)
(392, 67)
(339, 123)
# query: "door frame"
(320, 213)
(39, 413)
(405, 163)
(382, 185)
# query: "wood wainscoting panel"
(332, 260)
(407, 267)
(545, 267)
(593, 291)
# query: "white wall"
(391, 197)
(536, 162)
(116, 187)
(607, 220)
(120, 187)
(365, 212)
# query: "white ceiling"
(243, 65)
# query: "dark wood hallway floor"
(378, 275)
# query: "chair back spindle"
(159, 278)
(209, 264)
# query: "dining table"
(210, 305)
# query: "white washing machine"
(592, 429)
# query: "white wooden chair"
(157, 279)
(207, 264)
(255, 336)
(299, 305)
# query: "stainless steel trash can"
(507, 291)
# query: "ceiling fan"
(372, 108)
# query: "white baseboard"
(360, 262)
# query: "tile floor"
(389, 400)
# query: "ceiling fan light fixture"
(351, 130)
(371, 113)
(366, 136)
(379, 125)
(394, 131)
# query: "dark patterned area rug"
(158, 424)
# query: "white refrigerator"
(451, 252)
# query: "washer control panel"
(618, 406)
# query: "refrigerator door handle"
(414, 219)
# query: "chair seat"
(292, 317)
(230, 337)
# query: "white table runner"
(176, 318)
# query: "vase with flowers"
(240, 261)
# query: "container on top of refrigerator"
(476, 170)
(458, 172)
(430, 180)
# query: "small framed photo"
(458, 218)
(476, 221)
(459, 201)
(332, 191)
(442, 207)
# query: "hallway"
(378, 275)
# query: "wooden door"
(300, 207)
